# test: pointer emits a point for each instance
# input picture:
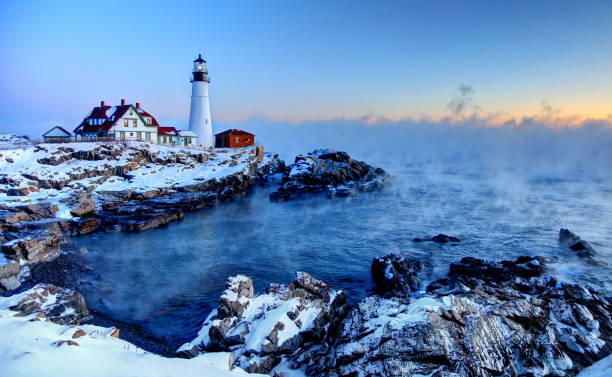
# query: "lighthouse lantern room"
(199, 114)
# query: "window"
(125, 123)
(148, 120)
(246, 140)
(134, 122)
(111, 134)
(148, 135)
(237, 138)
(131, 134)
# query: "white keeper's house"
(131, 123)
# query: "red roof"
(234, 131)
(145, 114)
(166, 131)
(100, 112)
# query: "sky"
(299, 62)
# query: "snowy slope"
(602, 368)
(29, 348)
(25, 169)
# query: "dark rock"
(326, 169)
(394, 275)
(583, 248)
(568, 237)
(68, 342)
(512, 320)
(443, 238)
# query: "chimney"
(101, 103)
(138, 105)
(122, 102)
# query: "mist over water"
(504, 192)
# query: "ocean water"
(166, 280)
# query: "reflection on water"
(167, 279)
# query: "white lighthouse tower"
(199, 114)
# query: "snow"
(28, 349)
(262, 314)
(388, 272)
(20, 163)
(3, 260)
(602, 368)
(275, 311)
(8, 139)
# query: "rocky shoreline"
(483, 319)
(327, 170)
(80, 188)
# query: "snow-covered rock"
(264, 329)
(484, 319)
(52, 190)
(36, 342)
(326, 169)
(7, 140)
(52, 303)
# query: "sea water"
(167, 280)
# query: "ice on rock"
(260, 329)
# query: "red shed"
(234, 138)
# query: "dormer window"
(148, 120)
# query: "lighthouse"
(199, 114)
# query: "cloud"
(462, 100)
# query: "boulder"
(581, 247)
(82, 205)
(34, 249)
(31, 212)
(261, 329)
(9, 276)
(394, 275)
(443, 238)
(484, 319)
(59, 305)
(326, 169)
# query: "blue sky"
(306, 61)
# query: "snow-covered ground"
(30, 347)
(8, 140)
(24, 169)
(602, 368)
